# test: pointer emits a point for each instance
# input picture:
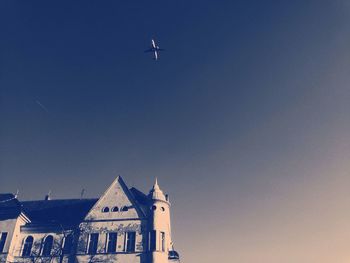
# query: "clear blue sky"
(245, 119)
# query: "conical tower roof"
(156, 193)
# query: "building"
(123, 225)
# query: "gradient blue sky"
(245, 119)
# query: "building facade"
(123, 225)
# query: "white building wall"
(12, 227)
(97, 221)
(121, 227)
(38, 242)
(7, 226)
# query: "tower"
(160, 231)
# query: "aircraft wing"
(149, 50)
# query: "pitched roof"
(140, 197)
(64, 212)
(118, 194)
(10, 207)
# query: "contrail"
(42, 106)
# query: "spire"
(156, 193)
(156, 186)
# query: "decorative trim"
(112, 220)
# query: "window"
(162, 241)
(93, 241)
(68, 242)
(125, 208)
(130, 241)
(27, 247)
(152, 242)
(105, 210)
(154, 207)
(47, 246)
(112, 243)
(162, 208)
(2, 241)
(115, 209)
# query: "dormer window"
(105, 209)
(115, 209)
(125, 208)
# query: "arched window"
(47, 246)
(115, 209)
(125, 208)
(105, 209)
(68, 242)
(27, 246)
(162, 208)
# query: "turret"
(160, 231)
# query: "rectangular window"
(130, 241)
(93, 242)
(3, 237)
(112, 243)
(152, 243)
(162, 241)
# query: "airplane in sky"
(155, 50)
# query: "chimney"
(48, 196)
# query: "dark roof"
(140, 197)
(10, 207)
(65, 212)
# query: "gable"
(116, 203)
